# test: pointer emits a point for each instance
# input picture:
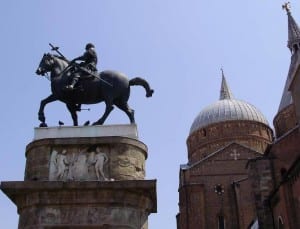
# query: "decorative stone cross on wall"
(235, 154)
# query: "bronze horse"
(110, 87)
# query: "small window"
(203, 132)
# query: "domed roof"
(227, 109)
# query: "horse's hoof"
(86, 123)
(43, 124)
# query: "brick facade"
(218, 157)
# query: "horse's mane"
(61, 58)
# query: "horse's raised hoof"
(43, 124)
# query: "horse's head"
(49, 63)
(46, 64)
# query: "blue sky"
(178, 46)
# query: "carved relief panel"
(97, 162)
(128, 163)
(79, 164)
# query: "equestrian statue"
(80, 83)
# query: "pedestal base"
(84, 177)
(89, 204)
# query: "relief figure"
(62, 164)
(99, 160)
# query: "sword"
(53, 48)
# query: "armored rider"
(89, 62)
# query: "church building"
(241, 174)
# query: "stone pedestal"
(84, 177)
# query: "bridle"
(48, 61)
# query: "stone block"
(129, 131)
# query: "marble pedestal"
(84, 177)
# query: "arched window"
(204, 132)
(280, 223)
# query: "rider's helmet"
(89, 45)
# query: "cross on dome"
(287, 6)
(293, 29)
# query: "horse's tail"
(137, 81)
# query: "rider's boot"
(73, 83)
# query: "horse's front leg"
(41, 114)
(73, 108)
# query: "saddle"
(83, 72)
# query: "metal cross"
(286, 6)
(234, 154)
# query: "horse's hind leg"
(109, 107)
(125, 107)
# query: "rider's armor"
(89, 63)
